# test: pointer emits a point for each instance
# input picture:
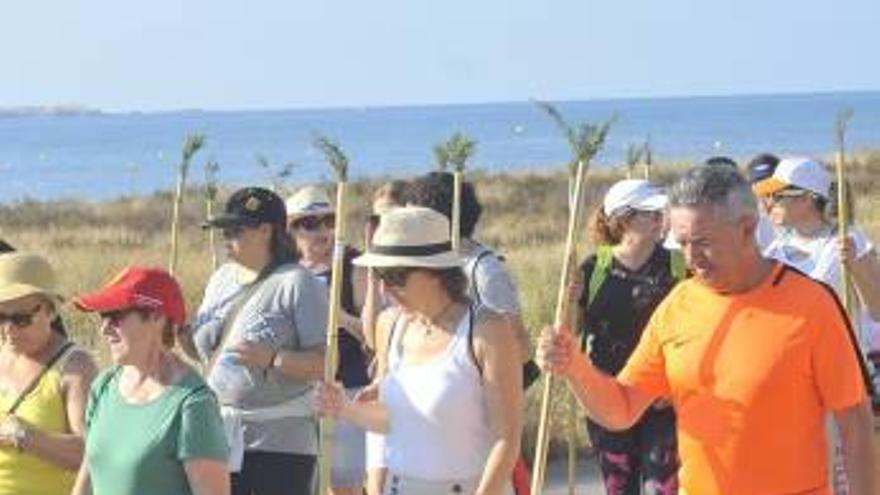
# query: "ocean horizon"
(102, 155)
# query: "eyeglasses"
(314, 222)
(395, 276)
(785, 194)
(20, 320)
(232, 232)
(115, 317)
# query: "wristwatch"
(20, 436)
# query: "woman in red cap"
(153, 425)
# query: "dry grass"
(524, 218)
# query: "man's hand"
(556, 351)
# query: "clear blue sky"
(223, 54)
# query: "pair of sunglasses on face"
(21, 319)
(394, 276)
(780, 196)
(115, 317)
(314, 222)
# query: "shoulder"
(79, 366)
(102, 381)
(805, 288)
(492, 327)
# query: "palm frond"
(334, 155)
(841, 125)
(191, 146)
(211, 169)
(441, 157)
(460, 148)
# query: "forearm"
(865, 273)
(65, 450)
(371, 416)
(857, 436)
(304, 366)
(83, 485)
(499, 466)
(604, 399)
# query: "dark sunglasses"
(20, 320)
(396, 276)
(784, 194)
(232, 232)
(314, 223)
(115, 317)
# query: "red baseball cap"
(138, 287)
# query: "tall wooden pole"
(331, 359)
(562, 314)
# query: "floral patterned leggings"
(645, 455)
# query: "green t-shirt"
(140, 449)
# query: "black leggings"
(643, 456)
(272, 473)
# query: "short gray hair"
(718, 186)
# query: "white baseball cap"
(634, 194)
(308, 201)
(800, 172)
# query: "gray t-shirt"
(287, 310)
(489, 282)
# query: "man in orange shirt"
(752, 354)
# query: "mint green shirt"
(139, 449)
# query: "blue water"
(103, 156)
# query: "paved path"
(588, 480)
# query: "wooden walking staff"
(562, 314)
(192, 144)
(843, 214)
(339, 162)
(456, 151)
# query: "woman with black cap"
(260, 331)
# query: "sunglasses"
(315, 222)
(783, 195)
(374, 220)
(20, 320)
(394, 277)
(115, 317)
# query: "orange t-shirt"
(752, 377)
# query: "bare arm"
(66, 449)
(207, 476)
(370, 310)
(866, 276)
(502, 379)
(857, 432)
(83, 485)
(606, 401)
(305, 365)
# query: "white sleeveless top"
(439, 417)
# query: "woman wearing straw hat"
(623, 282)
(44, 382)
(153, 424)
(800, 196)
(450, 399)
(260, 331)
(310, 223)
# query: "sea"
(95, 156)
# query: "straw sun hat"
(26, 274)
(411, 236)
(308, 201)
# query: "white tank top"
(439, 420)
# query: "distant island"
(49, 111)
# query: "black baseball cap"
(762, 167)
(720, 160)
(250, 206)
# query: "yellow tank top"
(43, 409)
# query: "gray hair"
(721, 187)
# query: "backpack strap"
(478, 300)
(677, 265)
(472, 310)
(604, 258)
